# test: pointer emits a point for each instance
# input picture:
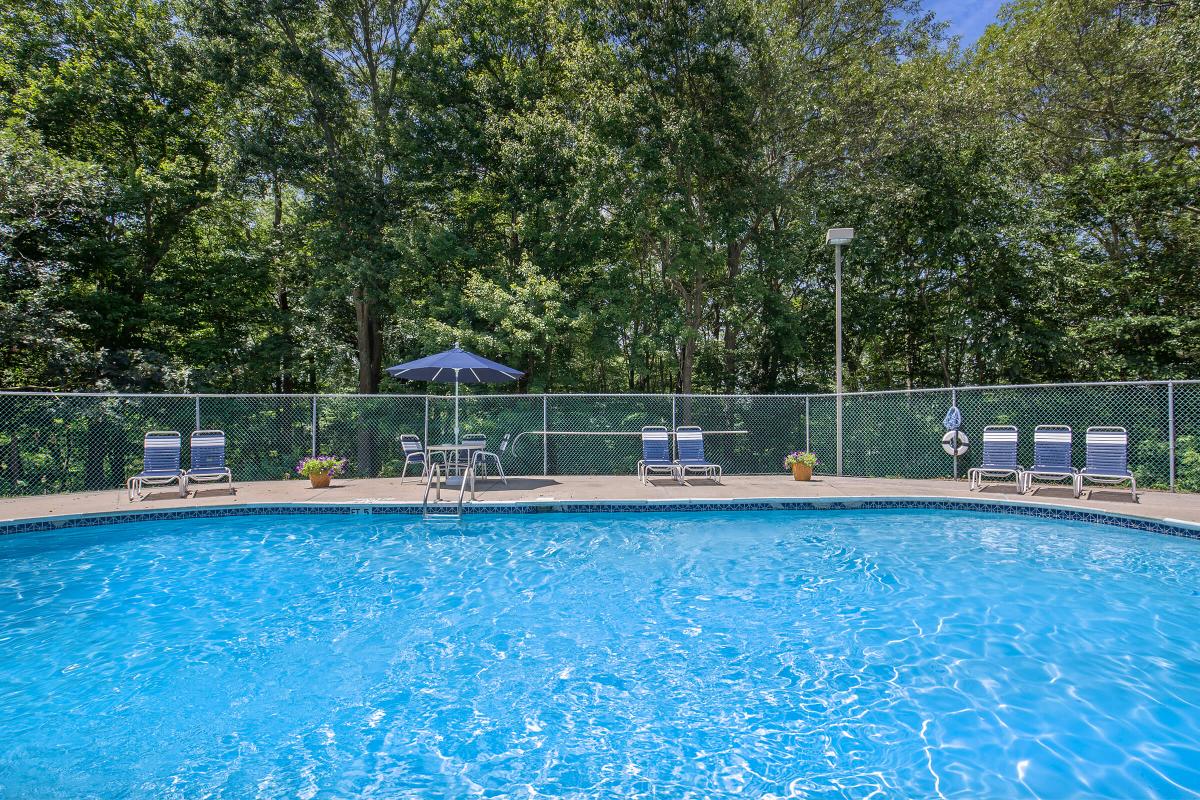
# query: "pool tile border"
(1028, 509)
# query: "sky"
(967, 19)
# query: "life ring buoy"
(955, 443)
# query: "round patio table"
(461, 465)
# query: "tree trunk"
(370, 352)
(370, 343)
(733, 266)
(687, 362)
(14, 474)
(287, 383)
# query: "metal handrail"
(435, 471)
(513, 443)
(462, 490)
(436, 482)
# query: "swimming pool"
(772, 654)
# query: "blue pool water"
(780, 654)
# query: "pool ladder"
(445, 512)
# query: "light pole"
(838, 237)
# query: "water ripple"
(788, 654)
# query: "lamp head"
(839, 235)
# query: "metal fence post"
(1171, 428)
(839, 434)
(954, 404)
(198, 412)
(545, 438)
(807, 446)
(314, 426)
(672, 437)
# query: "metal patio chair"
(414, 453)
(482, 457)
(1107, 459)
(207, 455)
(1051, 456)
(656, 454)
(999, 457)
(160, 464)
(689, 440)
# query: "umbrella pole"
(456, 439)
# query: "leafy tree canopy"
(610, 194)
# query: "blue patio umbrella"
(456, 365)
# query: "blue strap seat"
(414, 453)
(1107, 459)
(207, 452)
(160, 465)
(999, 457)
(1051, 455)
(656, 454)
(689, 439)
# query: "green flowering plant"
(334, 465)
(800, 457)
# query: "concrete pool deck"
(1154, 504)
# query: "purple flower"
(310, 465)
(800, 457)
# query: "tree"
(611, 194)
(347, 60)
(1102, 97)
(47, 207)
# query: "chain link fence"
(1185, 399)
(51, 443)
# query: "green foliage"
(320, 465)
(800, 457)
(609, 194)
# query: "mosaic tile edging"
(1044, 511)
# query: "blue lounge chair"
(1051, 455)
(414, 453)
(656, 454)
(160, 464)
(1107, 459)
(208, 459)
(689, 439)
(999, 457)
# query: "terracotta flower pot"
(319, 480)
(802, 472)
